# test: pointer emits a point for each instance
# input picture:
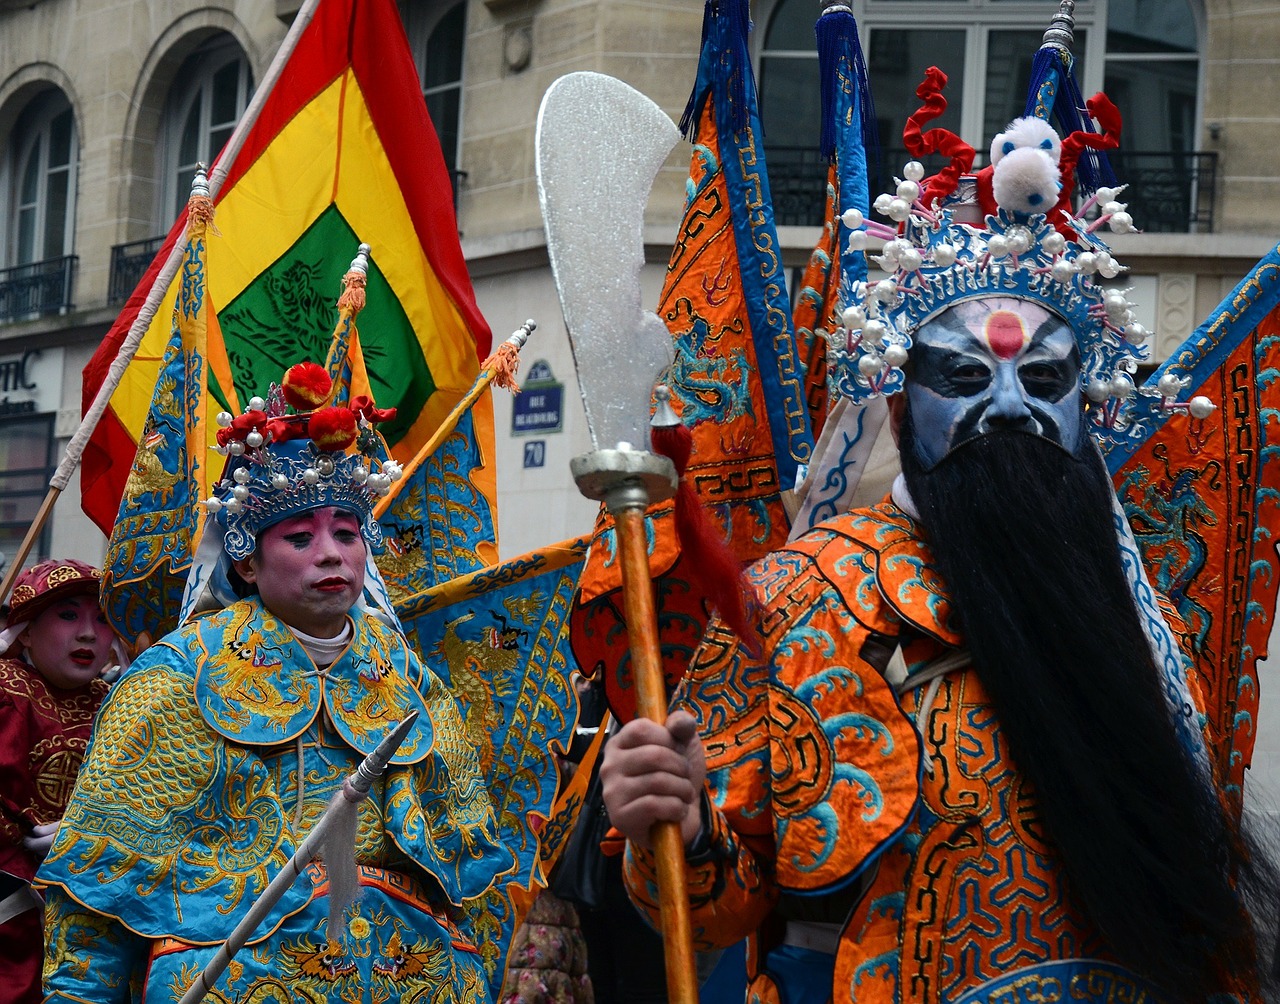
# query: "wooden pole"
(33, 531)
(651, 703)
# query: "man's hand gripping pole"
(628, 481)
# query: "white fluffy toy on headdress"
(1027, 133)
(1024, 160)
(1026, 181)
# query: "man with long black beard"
(955, 773)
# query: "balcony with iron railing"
(36, 289)
(1169, 192)
(129, 263)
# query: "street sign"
(539, 407)
(535, 453)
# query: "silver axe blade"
(599, 146)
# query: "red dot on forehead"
(1006, 333)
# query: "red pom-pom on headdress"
(333, 429)
(306, 386)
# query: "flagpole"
(129, 347)
(493, 367)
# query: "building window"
(26, 465)
(437, 33)
(1152, 72)
(1149, 65)
(208, 97)
(43, 181)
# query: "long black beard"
(1023, 536)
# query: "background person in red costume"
(56, 645)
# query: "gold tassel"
(504, 361)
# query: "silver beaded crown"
(276, 469)
(934, 262)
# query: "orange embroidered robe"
(898, 805)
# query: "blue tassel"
(832, 29)
(838, 44)
(724, 68)
(1093, 170)
(736, 25)
(1043, 89)
(1055, 92)
(867, 106)
(689, 120)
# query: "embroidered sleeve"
(730, 890)
(89, 957)
(190, 842)
(812, 766)
(727, 692)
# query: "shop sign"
(31, 383)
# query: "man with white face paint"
(961, 761)
(217, 752)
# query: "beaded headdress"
(292, 452)
(1007, 231)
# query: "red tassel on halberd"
(712, 565)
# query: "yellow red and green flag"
(342, 151)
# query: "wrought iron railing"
(37, 288)
(129, 263)
(1168, 192)
(1171, 193)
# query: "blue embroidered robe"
(211, 759)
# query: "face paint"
(997, 363)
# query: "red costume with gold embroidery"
(43, 735)
(44, 731)
(820, 798)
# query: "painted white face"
(69, 642)
(993, 364)
(309, 569)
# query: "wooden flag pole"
(651, 703)
(627, 481)
(494, 369)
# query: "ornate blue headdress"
(290, 453)
(1007, 231)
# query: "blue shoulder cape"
(175, 826)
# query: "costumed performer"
(222, 745)
(963, 759)
(56, 645)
